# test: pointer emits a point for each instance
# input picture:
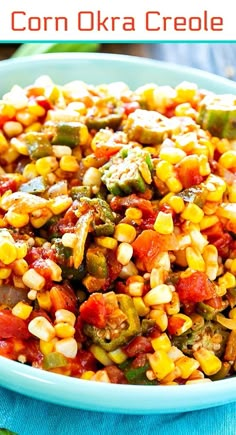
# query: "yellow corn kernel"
(135, 288)
(44, 300)
(3, 143)
(133, 213)
(124, 233)
(232, 313)
(140, 306)
(36, 126)
(46, 347)
(101, 376)
(157, 277)
(64, 330)
(25, 118)
(40, 217)
(228, 159)
(30, 171)
(161, 294)
(17, 220)
(164, 170)
(10, 155)
(33, 280)
(124, 253)
(100, 354)
(117, 356)
(168, 380)
(208, 221)
(35, 109)
(185, 109)
(186, 142)
(92, 177)
(187, 323)
(12, 128)
(106, 242)
(129, 270)
(227, 280)
(210, 256)
(55, 270)
(164, 223)
(22, 310)
(187, 366)
(174, 353)
(193, 213)
(204, 167)
(160, 318)
(161, 343)
(177, 203)
(41, 328)
(233, 267)
(209, 363)
(161, 364)
(66, 316)
(186, 91)
(69, 164)
(195, 260)
(8, 251)
(21, 248)
(216, 187)
(171, 155)
(173, 307)
(199, 241)
(87, 375)
(46, 165)
(174, 185)
(19, 267)
(67, 346)
(5, 272)
(59, 204)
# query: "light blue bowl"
(95, 69)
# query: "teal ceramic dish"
(90, 395)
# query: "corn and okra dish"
(118, 231)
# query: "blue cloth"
(27, 416)
(33, 417)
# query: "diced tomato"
(139, 361)
(93, 311)
(138, 345)
(188, 172)
(131, 106)
(63, 297)
(149, 244)
(7, 348)
(12, 326)
(114, 269)
(43, 102)
(7, 184)
(117, 203)
(32, 352)
(83, 362)
(42, 268)
(195, 288)
(215, 302)
(174, 324)
(115, 375)
(104, 150)
(219, 238)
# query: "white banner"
(118, 21)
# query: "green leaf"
(30, 49)
(6, 432)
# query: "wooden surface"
(219, 58)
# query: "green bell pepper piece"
(78, 192)
(98, 336)
(37, 144)
(70, 134)
(36, 185)
(137, 376)
(54, 360)
(96, 263)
